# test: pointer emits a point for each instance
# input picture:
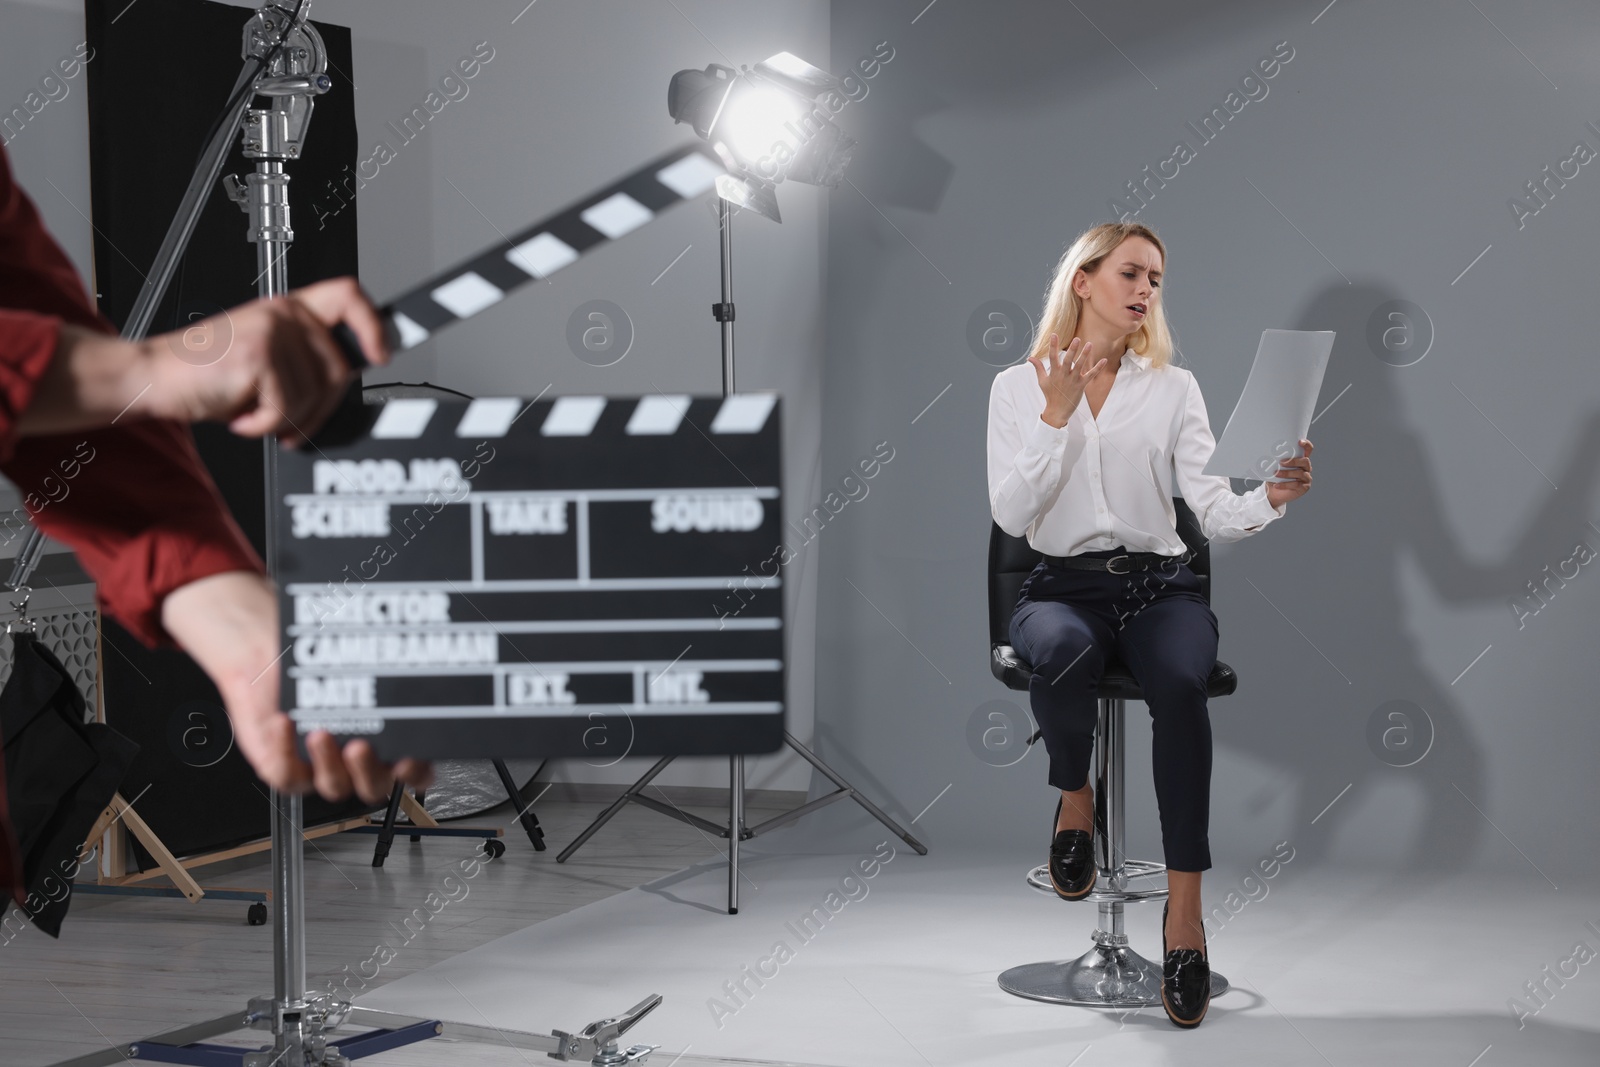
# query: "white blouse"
(1104, 483)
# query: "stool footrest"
(1106, 887)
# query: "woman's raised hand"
(1063, 376)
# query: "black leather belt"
(1117, 562)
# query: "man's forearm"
(93, 380)
(228, 623)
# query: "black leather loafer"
(1072, 869)
(1185, 981)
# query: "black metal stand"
(380, 851)
(736, 831)
(525, 815)
(492, 846)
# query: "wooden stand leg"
(166, 862)
(415, 811)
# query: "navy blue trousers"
(1159, 624)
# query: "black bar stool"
(1111, 974)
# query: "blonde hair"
(1063, 307)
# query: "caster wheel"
(257, 915)
(494, 848)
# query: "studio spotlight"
(767, 124)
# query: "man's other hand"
(229, 623)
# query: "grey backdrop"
(1378, 167)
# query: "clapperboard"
(577, 577)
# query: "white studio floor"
(1326, 970)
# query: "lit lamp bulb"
(765, 126)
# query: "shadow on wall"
(1386, 498)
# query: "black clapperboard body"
(579, 577)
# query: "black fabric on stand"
(61, 772)
(208, 798)
(11, 886)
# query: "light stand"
(270, 137)
(285, 61)
(736, 830)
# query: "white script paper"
(1274, 411)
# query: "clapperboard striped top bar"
(572, 416)
(545, 247)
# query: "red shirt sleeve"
(27, 343)
(133, 501)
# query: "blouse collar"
(1141, 362)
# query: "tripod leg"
(735, 828)
(530, 822)
(380, 851)
(616, 806)
(855, 794)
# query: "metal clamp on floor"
(598, 1041)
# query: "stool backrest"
(1012, 559)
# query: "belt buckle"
(1113, 560)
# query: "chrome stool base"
(1107, 976)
